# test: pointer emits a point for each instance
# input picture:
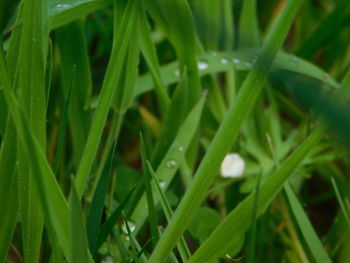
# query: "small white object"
(232, 166)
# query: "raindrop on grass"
(202, 64)
(255, 59)
(181, 149)
(61, 7)
(248, 64)
(294, 62)
(162, 184)
(177, 73)
(236, 61)
(224, 61)
(171, 164)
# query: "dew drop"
(236, 61)
(181, 149)
(248, 64)
(61, 7)
(131, 225)
(171, 164)
(224, 61)
(162, 184)
(177, 73)
(202, 64)
(255, 59)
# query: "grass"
(115, 117)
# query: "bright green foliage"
(242, 107)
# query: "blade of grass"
(226, 135)
(109, 224)
(119, 50)
(248, 25)
(313, 242)
(238, 221)
(78, 237)
(149, 194)
(340, 201)
(182, 246)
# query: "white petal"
(232, 166)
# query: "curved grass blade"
(108, 226)
(242, 61)
(119, 50)
(78, 237)
(238, 221)
(171, 161)
(226, 135)
(308, 232)
(63, 12)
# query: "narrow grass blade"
(98, 202)
(313, 242)
(149, 194)
(78, 237)
(226, 135)
(120, 45)
(248, 25)
(171, 161)
(182, 246)
(73, 51)
(108, 225)
(340, 201)
(238, 221)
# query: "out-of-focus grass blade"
(248, 25)
(171, 161)
(50, 195)
(149, 52)
(226, 134)
(109, 224)
(149, 194)
(173, 119)
(112, 76)
(72, 47)
(315, 245)
(63, 125)
(96, 208)
(242, 61)
(330, 25)
(238, 221)
(340, 201)
(30, 85)
(182, 246)
(63, 12)
(78, 237)
(8, 189)
(131, 239)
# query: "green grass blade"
(182, 246)
(120, 45)
(149, 194)
(63, 12)
(171, 161)
(109, 224)
(98, 202)
(238, 221)
(78, 237)
(50, 195)
(248, 25)
(340, 201)
(313, 242)
(227, 134)
(72, 47)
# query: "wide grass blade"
(227, 134)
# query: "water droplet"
(162, 184)
(294, 62)
(171, 164)
(181, 149)
(131, 225)
(236, 61)
(248, 64)
(177, 73)
(205, 93)
(255, 59)
(202, 64)
(61, 7)
(224, 61)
